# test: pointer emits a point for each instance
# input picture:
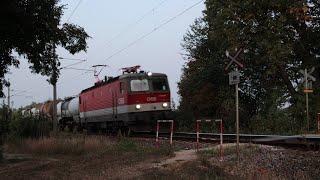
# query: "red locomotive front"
(132, 100)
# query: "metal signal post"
(307, 100)
(234, 78)
(307, 79)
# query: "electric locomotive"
(134, 100)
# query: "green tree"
(203, 87)
(278, 41)
(279, 38)
(32, 29)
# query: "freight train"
(132, 101)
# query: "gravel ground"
(267, 162)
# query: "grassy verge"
(76, 145)
(56, 145)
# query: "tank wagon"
(26, 112)
(45, 110)
(68, 112)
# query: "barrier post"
(221, 136)
(318, 123)
(198, 129)
(171, 132)
(171, 136)
(157, 136)
(221, 141)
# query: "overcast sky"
(113, 26)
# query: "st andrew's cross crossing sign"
(307, 75)
(307, 80)
(233, 59)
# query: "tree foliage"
(279, 38)
(32, 29)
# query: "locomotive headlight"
(138, 106)
(165, 105)
(149, 73)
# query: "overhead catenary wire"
(18, 93)
(73, 78)
(72, 64)
(79, 69)
(72, 59)
(155, 29)
(129, 27)
(74, 10)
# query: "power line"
(72, 59)
(129, 27)
(18, 93)
(74, 77)
(155, 29)
(72, 64)
(74, 10)
(79, 69)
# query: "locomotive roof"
(123, 76)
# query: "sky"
(123, 33)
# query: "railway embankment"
(103, 157)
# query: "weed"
(215, 171)
(126, 145)
(57, 145)
(204, 161)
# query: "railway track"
(306, 142)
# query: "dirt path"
(175, 162)
(179, 158)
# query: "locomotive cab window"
(139, 85)
(159, 85)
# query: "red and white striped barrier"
(171, 132)
(221, 138)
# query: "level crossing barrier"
(171, 132)
(210, 121)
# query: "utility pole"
(8, 94)
(54, 107)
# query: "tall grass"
(78, 145)
(58, 145)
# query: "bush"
(28, 126)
